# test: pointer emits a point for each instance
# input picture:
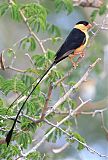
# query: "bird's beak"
(89, 26)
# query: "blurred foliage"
(36, 16)
(64, 5)
(101, 11)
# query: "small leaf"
(14, 85)
(10, 52)
(15, 14)
(3, 8)
(54, 30)
(31, 107)
(39, 60)
(102, 10)
(35, 155)
(64, 5)
(1, 102)
(36, 16)
(32, 44)
(81, 139)
(29, 43)
(24, 139)
(1, 81)
(93, 15)
(50, 54)
(68, 6)
(54, 135)
(27, 79)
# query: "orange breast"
(80, 49)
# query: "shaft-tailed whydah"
(74, 45)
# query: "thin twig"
(84, 77)
(15, 69)
(46, 103)
(63, 78)
(52, 130)
(74, 138)
(50, 39)
(103, 123)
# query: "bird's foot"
(75, 65)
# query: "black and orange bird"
(73, 46)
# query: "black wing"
(74, 40)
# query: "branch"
(77, 140)
(46, 103)
(91, 106)
(103, 123)
(70, 136)
(64, 77)
(15, 69)
(36, 121)
(52, 130)
(62, 99)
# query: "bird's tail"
(9, 135)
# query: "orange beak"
(89, 26)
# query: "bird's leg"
(71, 56)
(82, 54)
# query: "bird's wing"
(75, 39)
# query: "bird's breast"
(82, 47)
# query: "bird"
(73, 46)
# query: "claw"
(75, 65)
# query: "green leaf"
(54, 30)
(3, 8)
(93, 15)
(10, 52)
(8, 153)
(36, 16)
(24, 139)
(64, 5)
(68, 6)
(102, 10)
(14, 85)
(39, 60)
(35, 155)
(50, 55)
(81, 139)
(27, 125)
(3, 108)
(15, 150)
(1, 81)
(54, 135)
(27, 79)
(33, 44)
(32, 107)
(15, 14)
(1, 102)
(29, 43)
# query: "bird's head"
(83, 25)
